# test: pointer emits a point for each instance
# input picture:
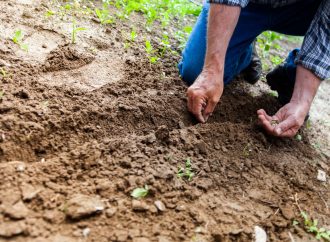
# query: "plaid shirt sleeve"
(241, 3)
(315, 51)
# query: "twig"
(291, 237)
(325, 203)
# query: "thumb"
(283, 126)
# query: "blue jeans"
(293, 19)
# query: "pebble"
(8, 230)
(139, 206)
(321, 176)
(110, 212)
(29, 192)
(80, 206)
(160, 206)
(260, 234)
(141, 239)
(86, 232)
(20, 167)
(17, 211)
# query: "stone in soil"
(139, 206)
(80, 206)
(29, 192)
(17, 211)
(260, 234)
(11, 229)
(160, 206)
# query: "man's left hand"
(287, 121)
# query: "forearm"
(221, 25)
(305, 87)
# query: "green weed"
(104, 14)
(133, 35)
(75, 30)
(186, 172)
(18, 39)
(267, 40)
(140, 192)
(151, 53)
(3, 72)
(311, 226)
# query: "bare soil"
(83, 125)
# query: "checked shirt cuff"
(241, 3)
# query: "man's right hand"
(204, 95)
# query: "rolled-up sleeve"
(315, 51)
(241, 3)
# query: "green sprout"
(150, 52)
(140, 192)
(311, 226)
(104, 14)
(133, 35)
(298, 137)
(75, 30)
(187, 171)
(3, 72)
(18, 39)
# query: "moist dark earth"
(83, 125)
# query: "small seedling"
(298, 137)
(3, 72)
(311, 225)
(103, 14)
(2, 93)
(75, 30)
(18, 39)
(49, 13)
(140, 192)
(133, 35)
(187, 171)
(150, 52)
(273, 93)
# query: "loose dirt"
(83, 125)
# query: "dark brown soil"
(90, 126)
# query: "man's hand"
(206, 91)
(286, 122)
(204, 95)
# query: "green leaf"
(140, 192)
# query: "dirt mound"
(98, 125)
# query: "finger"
(263, 113)
(286, 127)
(197, 106)
(266, 125)
(211, 104)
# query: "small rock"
(44, 46)
(160, 206)
(86, 232)
(150, 138)
(202, 147)
(180, 207)
(29, 192)
(139, 206)
(110, 212)
(20, 167)
(141, 239)
(8, 230)
(17, 211)
(321, 176)
(260, 234)
(163, 239)
(122, 235)
(80, 206)
(287, 212)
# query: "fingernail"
(278, 131)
